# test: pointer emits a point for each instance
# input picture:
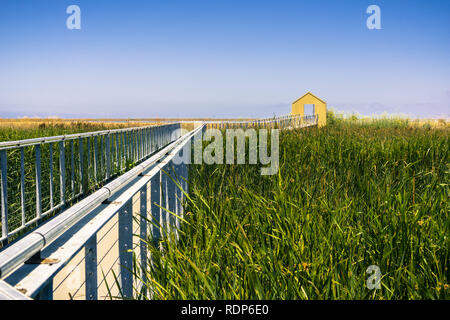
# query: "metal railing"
(41, 176)
(84, 250)
(285, 122)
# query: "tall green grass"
(346, 197)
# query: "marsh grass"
(20, 130)
(347, 196)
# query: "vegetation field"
(347, 196)
(19, 129)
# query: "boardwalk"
(87, 249)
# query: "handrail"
(84, 161)
(8, 292)
(31, 244)
(35, 141)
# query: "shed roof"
(309, 94)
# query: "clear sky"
(222, 58)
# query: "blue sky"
(222, 58)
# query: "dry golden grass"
(42, 123)
(33, 123)
(67, 123)
(433, 123)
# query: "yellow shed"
(319, 106)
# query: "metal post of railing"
(72, 168)
(158, 138)
(117, 151)
(143, 235)
(38, 182)
(83, 186)
(138, 144)
(179, 196)
(135, 149)
(51, 174)
(133, 145)
(91, 265)
(4, 192)
(142, 140)
(150, 140)
(155, 200)
(146, 142)
(127, 146)
(95, 159)
(101, 165)
(142, 144)
(163, 203)
(130, 145)
(88, 163)
(46, 292)
(125, 246)
(108, 156)
(62, 172)
(171, 198)
(124, 153)
(22, 184)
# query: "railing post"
(102, 166)
(22, 184)
(178, 196)
(90, 250)
(72, 168)
(158, 138)
(147, 141)
(4, 191)
(62, 172)
(83, 188)
(125, 247)
(46, 292)
(133, 145)
(128, 138)
(108, 156)
(117, 151)
(50, 147)
(124, 151)
(38, 182)
(171, 198)
(151, 130)
(165, 226)
(143, 236)
(95, 159)
(141, 144)
(155, 200)
(88, 163)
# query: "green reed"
(347, 196)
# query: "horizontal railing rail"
(288, 121)
(41, 176)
